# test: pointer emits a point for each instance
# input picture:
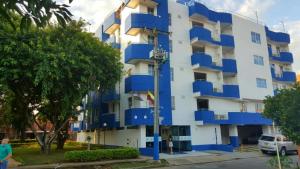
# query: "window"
(150, 11)
(198, 49)
(173, 102)
(200, 76)
(202, 104)
(255, 37)
(278, 50)
(170, 19)
(197, 24)
(151, 70)
(261, 83)
(259, 107)
(150, 39)
(130, 102)
(172, 74)
(170, 45)
(258, 60)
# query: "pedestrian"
(5, 153)
(171, 145)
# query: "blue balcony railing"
(206, 89)
(203, 35)
(278, 37)
(111, 23)
(285, 57)
(139, 116)
(229, 66)
(137, 52)
(204, 61)
(234, 118)
(139, 83)
(199, 10)
(108, 120)
(288, 77)
(135, 3)
(137, 22)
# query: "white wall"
(244, 51)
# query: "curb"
(81, 164)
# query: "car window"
(267, 138)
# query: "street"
(249, 163)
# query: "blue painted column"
(233, 135)
(156, 147)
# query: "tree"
(284, 109)
(52, 71)
(34, 11)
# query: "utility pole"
(159, 56)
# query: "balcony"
(200, 11)
(202, 36)
(135, 3)
(138, 52)
(108, 120)
(278, 37)
(286, 76)
(113, 42)
(139, 116)
(204, 61)
(110, 96)
(234, 118)
(137, 22)
(229, 67)
(111, 24)
(284, 57)
(139, 83)
(205, 88)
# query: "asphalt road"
(250, 163)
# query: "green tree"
(52, 70)
(284, 109)
(34, 11)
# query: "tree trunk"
(22, 136)
(60, 141)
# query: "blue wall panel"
(278, 36)
(136, 52)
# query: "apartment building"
(221, 66)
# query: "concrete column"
(267, 129)
(233, 134)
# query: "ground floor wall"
(196, 138)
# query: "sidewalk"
(83, 164)
(211, 158)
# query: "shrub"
(103, 154)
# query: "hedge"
(103, 154)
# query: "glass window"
(258, 60)
(170, 45)
(170, 19)
(200, 76)
(151, 70)
(261, 83)
(259, 107)
(130, 102)
(255, 37)
(150, 39)
(173, 102)
(150, 11)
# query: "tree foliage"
(284, 109)
(34, 11)
(50, 70)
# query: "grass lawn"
(30, 154)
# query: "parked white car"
(267, 144)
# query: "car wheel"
(283, 151)
(264, 152)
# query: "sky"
(279, 15)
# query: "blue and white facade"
(220, 69)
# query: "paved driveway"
(247, 163)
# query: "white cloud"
(93, 11)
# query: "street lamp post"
(159, 56)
